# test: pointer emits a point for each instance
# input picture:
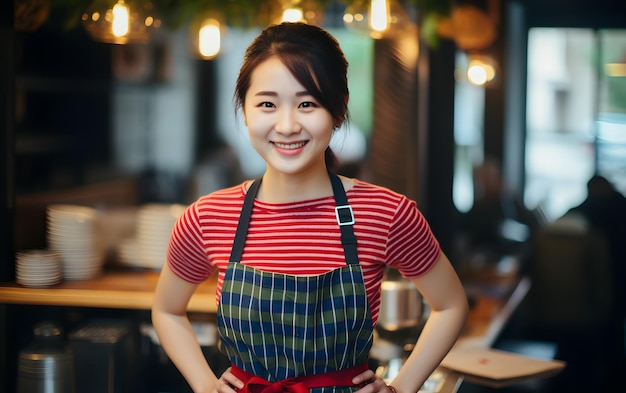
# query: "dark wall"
(7, 41)
(63, 106)
(6, 168)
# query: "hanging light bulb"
(307, 11)
(123, 23)
(292, 14)
(481, 70)
(121, 19)
(209, 39)
(380, 15)
(375, 18)
(206, 35)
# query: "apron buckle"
(344, 215)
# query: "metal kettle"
(402, 311)
(401, 304)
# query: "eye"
(308, 104)
(266, 104)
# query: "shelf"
(132, 289)
(40, 144)
(63, 85)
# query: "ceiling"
(575, 13)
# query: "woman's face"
(287, 126)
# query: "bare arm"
(443, 291)
(169, 316)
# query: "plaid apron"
(279, 327)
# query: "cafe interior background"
(112, 121)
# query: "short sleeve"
(186, 255)
(412, 247)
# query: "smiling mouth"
(289, 146)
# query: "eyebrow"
(274, 94)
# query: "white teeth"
(289, 145)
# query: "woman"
(300, 252)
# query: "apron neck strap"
(244, 221)
(345, 219)
(343, 212)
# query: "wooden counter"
(133, 289)
(121, 289)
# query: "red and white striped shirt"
(303, 238)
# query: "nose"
(287, 122)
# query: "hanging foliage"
(175, 14)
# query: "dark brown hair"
(315, 59)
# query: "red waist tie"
(254, 384)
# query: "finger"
(364, 377)
(231, 380)
(375, 385)
(224, 386)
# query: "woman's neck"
(283, 188)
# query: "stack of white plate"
(154, 226)
(72, 232)
(38, 268)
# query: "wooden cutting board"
(498, 368)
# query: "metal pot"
(401, 305)
(45, 366)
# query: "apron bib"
(279, 327)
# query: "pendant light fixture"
(474, 30)
(206, 34)
(307, 11)
(375, 18)
(481, 69)
(29, 15)
(122, 23)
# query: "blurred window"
(575, 114)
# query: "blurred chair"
(572, 301)
(572, 277)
